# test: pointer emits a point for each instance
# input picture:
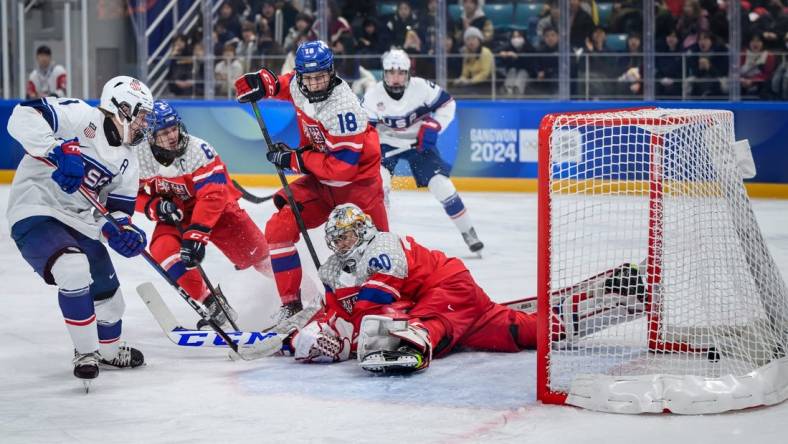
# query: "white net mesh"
(651, 202)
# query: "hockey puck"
(713, 355)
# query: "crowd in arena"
(510, 47)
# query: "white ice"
(198, 395)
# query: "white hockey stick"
(250, 343)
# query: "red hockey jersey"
(197, 181)
(345, 147)
(390, 273)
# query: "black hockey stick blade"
(247, 196)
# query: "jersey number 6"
(347, 122)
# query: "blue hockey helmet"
(311, 57)
(165, 116)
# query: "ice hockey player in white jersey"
(69, 145)
(409, 113)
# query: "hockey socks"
(80, 317)
(286, 265)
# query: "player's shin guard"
(286, 265)
(71, 273)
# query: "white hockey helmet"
(348, 218)
(130, 101)
(395, 60)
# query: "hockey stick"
(199, 308)
(247, 196)
(216, 292)
(203, 338)
(286, 187)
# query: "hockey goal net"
(645, 212)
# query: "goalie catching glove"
(324, 341)
(392, 346)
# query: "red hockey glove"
(193, 245)
(254, 86)
(163, 210)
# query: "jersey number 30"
(347, 122)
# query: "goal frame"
(656, 342)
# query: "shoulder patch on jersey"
(90, 130)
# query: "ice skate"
(404, 360)
(473, 242)
(281, 319)
(214, 304)
(127, 357)
(86, 367)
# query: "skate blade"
(86, 385)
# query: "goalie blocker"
(389, 345)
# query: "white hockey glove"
(323, 341)
(387, 345)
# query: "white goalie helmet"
(130, 101)
(344, 219)
(395, 60)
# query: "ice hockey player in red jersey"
(185, 189)
(398, 304)
(408, 303)
(339, 155)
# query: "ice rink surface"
(199, 395)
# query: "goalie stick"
(247, 196)
(248, 340)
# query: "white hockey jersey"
(398, 121)
(47, 82)
(111, 172)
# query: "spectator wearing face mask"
(513, 59)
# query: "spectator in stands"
(302, 25)
(198, 70)
(601, 67)
(630, 68)
(692, 21)
(401, 22)
(48, 79)
(757, 67)
(349, 69)
(780, 76)
(626, 17)
(668, 64)
(548, 18)
(427, 30)
(338, 26)
(706, 81)
(229, 21)
(247, 48)
(453, 62)
(473, 16)
(356, 11)
(582, 25)
(270, 52)
(179, 76)
(372, 42)
(546, 66)
(477, 64)
(226, 71)
(707, 46)
(512, 58)
(267, 18)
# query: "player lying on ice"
(339, 157)
(69, 145)
(185, 189)
(398, 304)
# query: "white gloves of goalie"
(321, 341)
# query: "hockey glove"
(163, 210)
(70, 168)
(129, 241)
(282, 156)
(193, 245)
(254, 86)
(427, 138)
(324, 340)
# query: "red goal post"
(660, 188)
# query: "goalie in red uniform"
(339, 157)
(185, 189)
(398, 304)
